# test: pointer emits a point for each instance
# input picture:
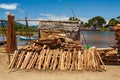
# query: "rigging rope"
(70, 6)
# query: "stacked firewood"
(48, 59)
(56, 54)
(117, 33)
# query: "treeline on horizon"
(98, 22)
(20, 27)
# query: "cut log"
(62, 57)
(46, 57)
(56, 59)
(68, 60)
(80, 60)
(22, 56)
(30, 61)
(33, 61)
(26, 60)
(53, 59)
(17, 60)
(49, 59)
(73, 59)
(12, 63)
(41, 58)
(104, 67)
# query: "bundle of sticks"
(56, 53)
(57, 59)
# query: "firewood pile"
(56, 54)
(70, 28)
(117, 33)
(113, 58)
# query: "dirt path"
(112, 73)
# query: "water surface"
(93, 38)
(99, 38)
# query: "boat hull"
(25, 38)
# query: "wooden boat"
(2, 42)
(25, 38)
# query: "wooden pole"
(11, 35)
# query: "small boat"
(25, 38)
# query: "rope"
(71, 8)
(68, 3)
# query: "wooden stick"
(68, 59)
(34, 61)
(62, 60)
(17, 60)
(80, 61)
(53, 59)
(104, 67)
(76, 61)
(41, 58)
(21, 59)
(12, 63)
(94, 61)
(30, 61)
(26, 60)
(46, 57)
(84, 59)
(73, 59)
(56, 59)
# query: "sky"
(59, 9)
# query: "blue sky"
(59, 10)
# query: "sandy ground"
(112, 73)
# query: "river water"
(93, 38)
(100, 39)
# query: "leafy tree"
(18, 27)
(97, 21)
(86, 25)
(74, 19)
(113, 22)
(118, 18)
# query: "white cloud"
(60, 17)
(52, 17)
(84, 19)
(6, 13)
(30, 23)
(9, 6)
(33, 23)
